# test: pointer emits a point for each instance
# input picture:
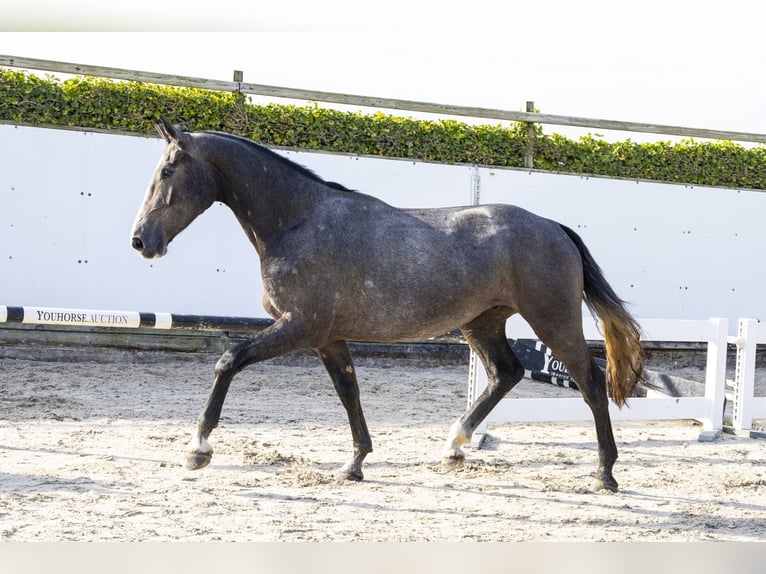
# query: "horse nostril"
(137, 243)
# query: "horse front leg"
(337, 361)
(198, 451)
(282, 337)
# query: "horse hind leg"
(486, 337)
(595, 396)
(568, 345)
(337, 360)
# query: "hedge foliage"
(134, 107)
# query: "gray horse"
(338, 265)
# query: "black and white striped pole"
(128, 319)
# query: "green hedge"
(134, 107)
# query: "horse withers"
(338, 265)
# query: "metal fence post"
(529, 154)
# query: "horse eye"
(166, 172)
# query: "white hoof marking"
(199, 444)
(457, 437)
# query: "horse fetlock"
(198, 443)
(457, 437)
(452, 455)
(362, 449)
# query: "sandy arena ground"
(91, 452)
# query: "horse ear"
(165, 129)
(168, 131)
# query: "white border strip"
(81, 317)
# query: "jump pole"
(128, 319)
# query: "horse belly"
(417, 304)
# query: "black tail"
(622, 334)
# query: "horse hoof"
(451, 463)
(608, 484)
(349, 473)
(197, 460)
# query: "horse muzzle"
(147, 248)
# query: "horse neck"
(266, 195)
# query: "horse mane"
(280, 158)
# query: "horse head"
(183, 185)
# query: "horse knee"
(226, 364)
